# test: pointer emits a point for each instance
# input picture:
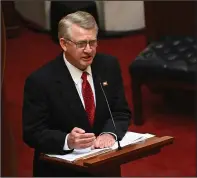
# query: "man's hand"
(104, 141)
(78, 139)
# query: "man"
(64, 105)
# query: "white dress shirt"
(76, 76)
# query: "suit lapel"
(100, 100)
(69, 94)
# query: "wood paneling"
(170, 18)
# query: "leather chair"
(169, 62)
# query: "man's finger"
(101, 144)
(84, 141)
(78, 130)
(85, 145)
(87, 135)
(96, 143)
(93, 145)
(109, 143)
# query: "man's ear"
(63, 44)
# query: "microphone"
(118, 140)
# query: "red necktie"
(88, 98)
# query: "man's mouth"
(87, 58)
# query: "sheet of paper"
(78, 153)
(129, 138)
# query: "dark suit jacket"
(52, 107)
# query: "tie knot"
(84, 76)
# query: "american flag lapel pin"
(105, 83)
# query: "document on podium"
(128, 139)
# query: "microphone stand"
(118, 140)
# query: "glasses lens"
(93, 43)
(83, 44)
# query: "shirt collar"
(75, 72)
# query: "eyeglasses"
(83, 44)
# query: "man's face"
(77, 51)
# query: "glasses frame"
(87, 42)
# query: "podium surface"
(108, 164)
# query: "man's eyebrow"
(81, 41)
(87, 40)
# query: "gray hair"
(80, 18)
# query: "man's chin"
(87, 63)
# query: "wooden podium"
(108, 164)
